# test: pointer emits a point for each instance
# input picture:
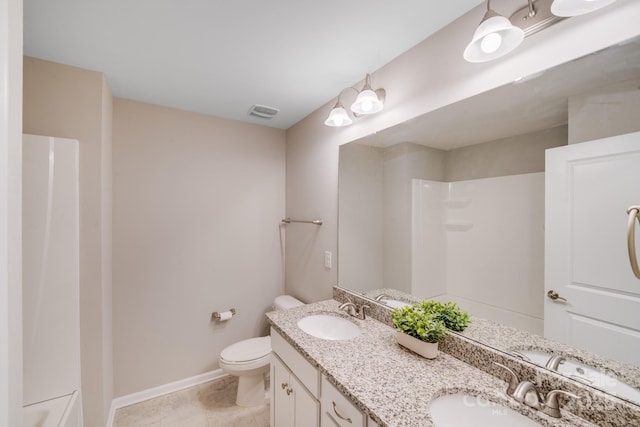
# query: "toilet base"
(251, 390)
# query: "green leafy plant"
(449, 313)
(414, 321)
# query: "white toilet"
(249, 361)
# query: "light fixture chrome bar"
(313, 221)
(534, 17)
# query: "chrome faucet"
(350, 308)
(551, 406)
(513, 379)
(353, 310)
(362, 311)
(382, 296)
(526, 392)
(554, 361)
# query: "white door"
(589, 187)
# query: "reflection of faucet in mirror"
(589, 375)
(554, 361)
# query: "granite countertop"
(393, 385)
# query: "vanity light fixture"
(368, 101)
(577, 7)
(338, 116)
(496, 35)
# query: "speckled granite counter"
(389, 383)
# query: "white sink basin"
(461, 410)
(329, 327)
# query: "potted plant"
(453, 317)
(418, 330)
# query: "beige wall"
(402, 163)
(106, 244)
(423, 79)
(10, 213)
(606, 112)
(197, 205)
(508, 156)
(361, 231)
(69, 102)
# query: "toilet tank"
(285, 302)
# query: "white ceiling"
(219, 57)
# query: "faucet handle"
(513, 381)
(349, 307)
(551, 405)
(362, 311)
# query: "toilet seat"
(249, 351)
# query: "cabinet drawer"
(337, 410)
(308, 375)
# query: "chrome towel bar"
(314, 221)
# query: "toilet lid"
(246, 350)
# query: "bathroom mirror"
(485, 151)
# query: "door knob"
(554, 296)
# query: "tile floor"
(210, 404)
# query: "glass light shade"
(367, 102)
(494, 37)
(338, 117)
(577, 7)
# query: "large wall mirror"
(451, 206)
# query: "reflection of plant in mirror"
(449, 313)
(414, 321)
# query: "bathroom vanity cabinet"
(295, 387)
(302, 397)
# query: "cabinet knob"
(284, 385)
(289, 391)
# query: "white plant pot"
(428, 350)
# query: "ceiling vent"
(263, 111)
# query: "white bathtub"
(63, 411)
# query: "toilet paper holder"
(216, 315)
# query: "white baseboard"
(141, 396)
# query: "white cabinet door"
(281, 409)
(291, 403)
(589, 187)
(306, 409)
